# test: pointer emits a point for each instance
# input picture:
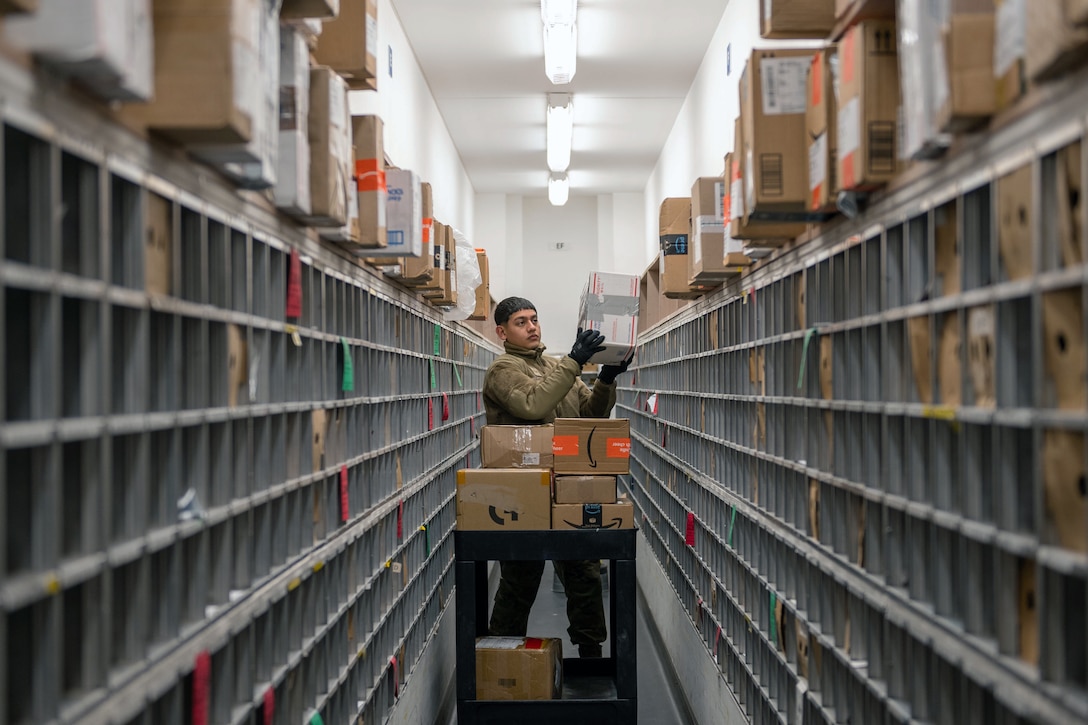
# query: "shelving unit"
(880, 434)
(193, 473)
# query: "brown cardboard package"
(585, 489)
(482, 310)
(504, 499)
(433, 283)
(969, 59)
(821, 122)
(419, 270)
(772, 102)
(619, 515)
(159, 245)
(591, 445)
(868, 113)
(303, 9)
(674, 230)
(330, 149)
(743, 227)
(1054, 44)
(519, 668)
(368, 136)
(516, 446)
(205, 66)
(797, 18)
(347, 44)
(447, 292)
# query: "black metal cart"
(473, 549)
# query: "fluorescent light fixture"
(558, 189)
(560, 128)
(558, 12)
(560, 53)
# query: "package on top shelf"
(609, 304)
(309, 9)
(446, 254)
(1055, 45)
(1010, 47)
(370, 178)
(742, 226)
(207, 57)
(713, 254)
(438, 261)
(822, 130)
(420, 270)
(403, 218)
(309, 29)
(105, 45)
(967, 44)
(674, 232)
(346, 234)
(348, 43)
(923, 78)
(482, 310)
(773, 100)
(868, 113)
(292, 190)
(252, 164)
(797, 18)
(329, 134)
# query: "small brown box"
(592, 445)
(585, 489)
(348, 43)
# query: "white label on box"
(1010, 42)
(731, 245)
(817, 162)
(530, 459)
(499, 642)
(697, 245)
(736, 200)
(371, 35)
(719, 202)
(784, 86)
(849, 128)
(750, 181)
(767, 10)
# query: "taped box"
(591, 445)
(674, 230)
(742, 226)
(609, 305)
(330, 149)
(822, 131)
(348, 43)
(519, 668)
(619, 515)
(368, 135)
(516, 446)
(403, 218)
(504, 499)
(292, 190)
(585, 489)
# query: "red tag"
(430, 413)
(817, 75)
(534, 643)
(294, 285)
(717, 636)
(472, 426)
(689, 533)
(202, 675)
(396, 677)
(344, 507)
(269, 706)
(618, 448)
(445, 407)
(400, 519)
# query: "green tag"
(316, 719)
(774, 624)
(804, 356)
(348, 383)
(732, 520)
(457, 372)
(437, 338)
(434, 383)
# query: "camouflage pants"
(517, 591)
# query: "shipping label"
(1010, 40)
(784, 85)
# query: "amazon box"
(348, 42)
(674, 230)
(519, 668)
(591, 446)
(585, 489)
(868, 113)
(609, 305)
(516, 446)
(504, 499)
(619, 515)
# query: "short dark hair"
(511, 306)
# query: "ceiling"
(484, 62)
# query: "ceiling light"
(558, 12)
(558, 189)
(560, 52)
(560, 128)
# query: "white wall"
(416, 137)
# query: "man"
(522, 387)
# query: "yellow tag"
(293, 332)
(52, 585)
(422, 528)
(318, 566)
(388, 563)
(294, 584)
(740, 270)
(939, 412)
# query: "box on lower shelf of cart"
(519, 668)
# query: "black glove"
(586, 345)
(609, 372)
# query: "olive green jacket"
(522, 387)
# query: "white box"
(609, 305)
(292, 192)
(105, 44)
(403, 216)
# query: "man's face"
(522, 329)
